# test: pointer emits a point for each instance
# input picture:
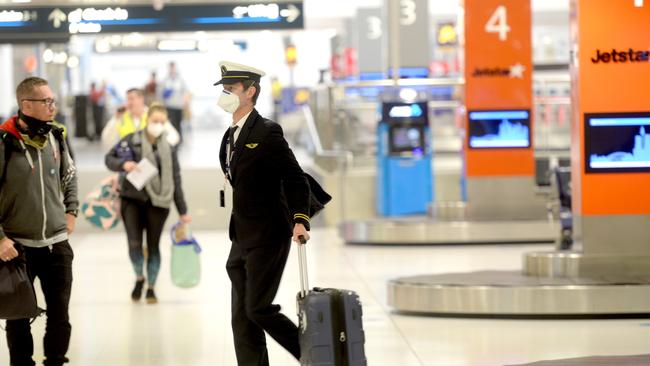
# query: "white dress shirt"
(240, 125)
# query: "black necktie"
(231, 144)
(231, 140)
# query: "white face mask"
(155, 129)
(228, 101)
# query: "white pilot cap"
(232, 72)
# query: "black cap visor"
(232, 77)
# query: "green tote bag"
(186, 257)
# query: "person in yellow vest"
(276, 92)
(132, 119)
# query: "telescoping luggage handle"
(302, 264)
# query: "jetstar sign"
(617, 56)
(514, 71)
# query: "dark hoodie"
(39, 187)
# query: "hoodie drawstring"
(28, 156)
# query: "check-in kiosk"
(404, 157)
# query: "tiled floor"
(191, 327)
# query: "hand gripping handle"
(302, 263)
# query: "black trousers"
(53, 267)
(175, 118)
(139, 217)
(255, 275)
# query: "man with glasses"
(129, 119)
(38, 208)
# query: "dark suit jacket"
(270, 190)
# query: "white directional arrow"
(291, 13)
(57, 17)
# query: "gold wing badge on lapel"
(251, 146)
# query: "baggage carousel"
(513, 294)
(427, 231)
(551, 284)
(632, 360)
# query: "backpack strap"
(59, 133)
(8, 146)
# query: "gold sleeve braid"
(301, 216)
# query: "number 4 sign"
(498, 23)
(498, 64)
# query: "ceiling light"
(73, 62)
(60, 58)
(176, 45)
(408, 94)
(48, 56)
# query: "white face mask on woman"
(228, 101)
(155, 129)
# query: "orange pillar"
(610, 79)
(498, 77)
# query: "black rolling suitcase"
(331, 330)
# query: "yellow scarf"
(39, 142)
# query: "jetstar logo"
(514, 71)
(617, 56)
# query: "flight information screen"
(617, 142)
(502, 129)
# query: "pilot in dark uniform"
(270, 206)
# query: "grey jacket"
(38, 188)
(130, 149)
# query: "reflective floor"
(191, 327)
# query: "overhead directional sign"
(58, 23)
(57, 17)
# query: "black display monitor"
(617, 142)
(407, 138)
(499, 129)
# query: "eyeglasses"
(49, 102)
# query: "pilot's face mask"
(229, 101)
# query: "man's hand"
(129, 166)
(299, 230)
(7, 250)
(70, 221)
(185, 219)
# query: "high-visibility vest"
(126, 126)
